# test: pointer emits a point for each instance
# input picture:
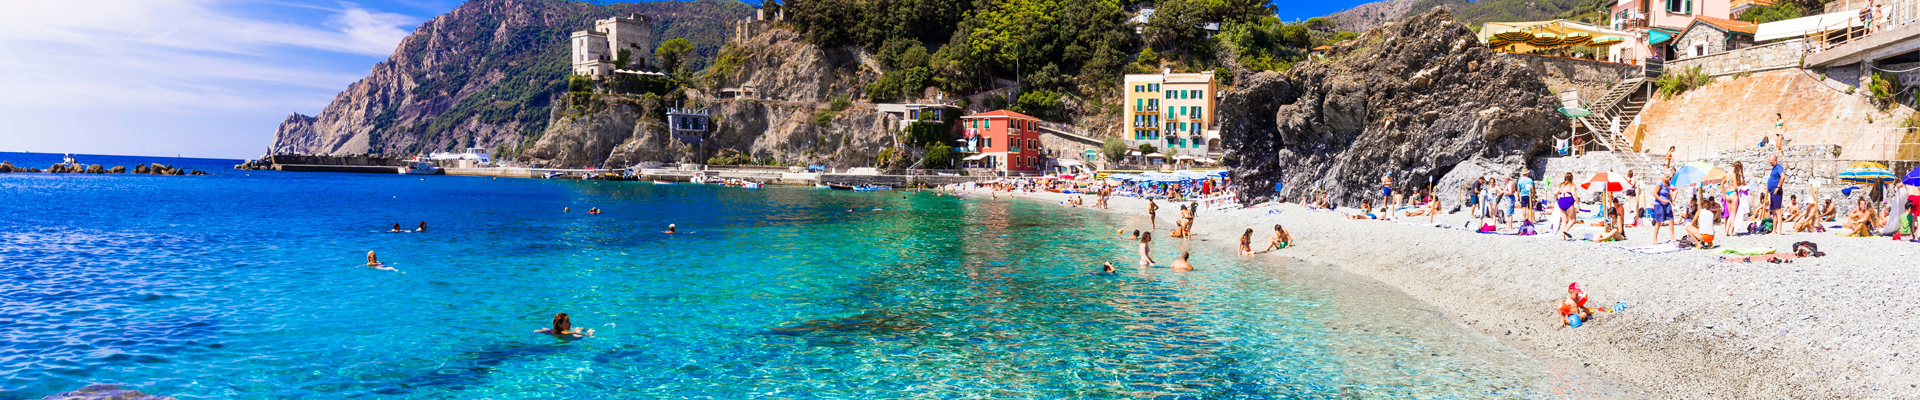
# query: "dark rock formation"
(105, 391)
(140, 168)
(6, 167)
(1420, 98)
(118, 169)
(96, 169)
(481, 75)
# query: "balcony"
(1147, 110)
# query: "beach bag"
(1685, 241)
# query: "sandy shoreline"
(1831, 327)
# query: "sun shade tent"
(1799, 27)
(1521, 37)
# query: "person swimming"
(1181, 263)
(1107, 268)
(423, 227)
(594, 211)
(566, 209)
(669, 229)
(563, 326)
(396, 228)
(374, 261)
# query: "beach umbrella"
(1715, 176)
(1691, 174)
(1577, 38)
(1913, 177)
(1867, 173)
(1606, 181)
(1547, 40)
(1514, 35)
(1605, 41)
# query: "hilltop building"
(1653, 24)
(595, 50)
(1002, 141)
(1173, 112)
(688, 125)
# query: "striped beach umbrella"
(1606, 181)
(1577, 38)
(1544, 39)
(1867, 173)
(1605, 41)
(1514, 35)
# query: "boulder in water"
(139, 168)
(197, 172)
(6, 167)
(95, 169)
(118, 169)
(106, 391)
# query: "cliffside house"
(688, 125)
(1319, 52)
(744, 92)
(907, 114)
(1741, 6)
(1002, 141)
(1653, 24)
(1174, 112)
(594, 51)
(1709, 35)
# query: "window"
(1200, 94)
(986, 124)
(1139, 104)
(1155, 87)
(1153, 103)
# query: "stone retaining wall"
(1591, 78)
(1769, 57)
(901, 181)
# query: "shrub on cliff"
(1673, 84)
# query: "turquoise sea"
(251, 284)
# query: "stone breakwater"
(145, 169)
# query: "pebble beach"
(1695, 327)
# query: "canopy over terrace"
(1549, 35)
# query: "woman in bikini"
(1736, 200)
(1564, 193)
(1366, 207)
(1246, 243)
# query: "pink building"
(1656, 23)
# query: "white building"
(595, 50)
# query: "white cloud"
(187, 54)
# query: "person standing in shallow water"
(1181, 264)
(1152, 209)
(1146, 249)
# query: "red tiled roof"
(1001, 113)
(1728, 25)
(1323, 48)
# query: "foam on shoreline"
(1832, 327)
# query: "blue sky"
(205, 78)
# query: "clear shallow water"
(251, 286)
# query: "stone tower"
(595, 50)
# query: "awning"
(1067, 162)
(1183, 158)
(1656, 36)
(974, 158)
(1797, 27)
(1156, 155)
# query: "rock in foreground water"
(106, 391)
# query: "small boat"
(819, 186)
(870, 188)
(661, 182)
(749, 185)
(553, 175)
(836, 186)
(420, 168)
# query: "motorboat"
(750, 185)
(661, 182)
(870, 188)
(837, 186)
(420, 168)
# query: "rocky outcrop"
(1367, 16)
(794, 80)
(482, 75)
(1420, 98)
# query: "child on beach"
(1152, 209)
(1573, 309)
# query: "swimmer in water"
(423, 227)
(563, 326)
(374, 261)
(669, 229)
(594, 211)
(566, 209)
(1181, 263)
(396, 227)
(1107, 268)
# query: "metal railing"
(1885, 15)
(1893, 144)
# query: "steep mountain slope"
(482, 75)
(1421, 99)
(1364, 17)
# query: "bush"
(579, 84)
(840, 102)
(1044, 104)
(1114, 149)
(939, 156)
(1675, 84)
(885, 155)
(1146, 149)
(824, 117)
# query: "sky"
(207, 78)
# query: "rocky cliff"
(794, 80)
(1419, 98)
(1367, 16)
(481, 75)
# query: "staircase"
(1623, 100)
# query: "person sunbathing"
(1246, 243)
(1614, 231)
(1827, 211)
(1701, 230)
(1809, 220)
(1860, 220)
(1366, 206)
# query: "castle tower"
(595, 50)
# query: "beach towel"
(1655, 249)
(1273, 212)
(1749, 251)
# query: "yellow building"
(1173, 112)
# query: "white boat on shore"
(420, 168)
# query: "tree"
(674, 55)
(1146, 149)
(1777, 12)
(939, 156)
(623, 58)
(1321, 24)
(1114, 149)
